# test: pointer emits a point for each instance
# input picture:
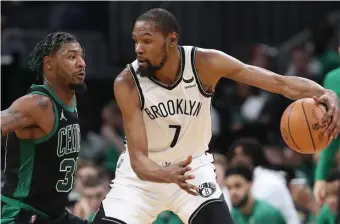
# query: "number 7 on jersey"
(177, 131)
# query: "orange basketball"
(301, 128)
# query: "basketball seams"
(290, 134)
(310, 132)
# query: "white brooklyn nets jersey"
(177, 118)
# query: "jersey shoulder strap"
(47, 91)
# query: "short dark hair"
(241, 170)
(251, 147)
(164, 20)
(95, 180)
(50, 44)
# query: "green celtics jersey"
(261, 213)
(40, 172)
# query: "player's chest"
(172, 105)
(67, 139)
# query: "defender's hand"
(330, 99)
(178, 176)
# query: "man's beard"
(78, 87)
(242, 203)
(150, 69)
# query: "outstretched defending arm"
(25, 112)
(219, 64)
(128, 101)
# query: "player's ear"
(48, 62)
(173, 39)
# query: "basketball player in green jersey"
(43, 136)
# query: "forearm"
(292, 87)
(11, 120)
(326, 160)
(148, 170)
(298, 87)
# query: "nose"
(139, 49)
(81, 63)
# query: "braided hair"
(49, 45)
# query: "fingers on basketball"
(301, 127)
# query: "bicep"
(128, 102)
(222, 65)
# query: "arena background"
(290, 38)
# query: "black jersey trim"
(61, 103)
(139, 89)
(56, 121)
(194, 70)
(178, 81)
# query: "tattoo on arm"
(12, 119)
(23, 113)
(43, 103)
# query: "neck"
(64, 94)
(168, 74)
(248, 208)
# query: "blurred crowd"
(245, 124)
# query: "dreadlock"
(163, 19)
(50, 44)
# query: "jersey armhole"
(56, 121)
(194, 70)
(139, 89)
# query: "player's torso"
(41, 172)
(177, 118)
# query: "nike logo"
(188, 80)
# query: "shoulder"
(125, 87)
(217, 63)
(35, 102)
(124, 82)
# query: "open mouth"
(81, 75)
(142, 62)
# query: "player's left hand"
(332, 116)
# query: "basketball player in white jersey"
(165, 98)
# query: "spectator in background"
(85, 169)
(326, 160)
(246, 209)
(112, 131)
(329, 59)
(167, 217)
(95, 187)
(329, 210)
(245, 106)
(268, 185)
(303, 65)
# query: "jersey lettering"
(68, 140)
(180, 106)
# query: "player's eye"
(148, 41)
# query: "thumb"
(316, 99)
(188, 160)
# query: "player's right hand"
(320, 191)
(179, 176)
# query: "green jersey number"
(67, 166)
